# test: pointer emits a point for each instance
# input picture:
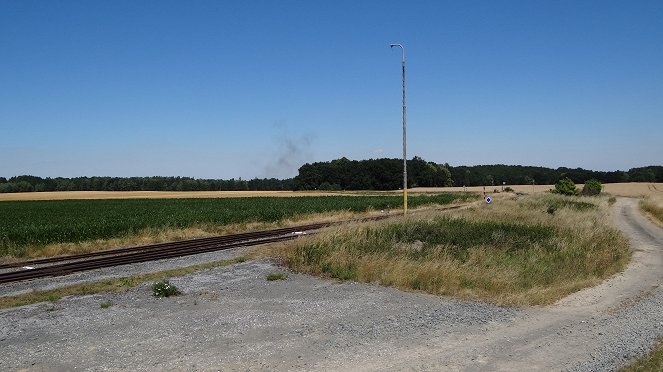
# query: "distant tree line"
(489, 175)
(373, 174)
(343, 174)
(33, 183)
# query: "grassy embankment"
(652, 362)
(54, 227)
(532, 250)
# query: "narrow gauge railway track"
(153, 247)
(64, 265)
(123, 256)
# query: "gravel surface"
(232, 318)
(116, 272)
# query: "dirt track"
(594, 329)
(233, 319)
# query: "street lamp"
(404, 135)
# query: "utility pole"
(404, 134)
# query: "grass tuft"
(105, 305)
(276, 276)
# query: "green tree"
(565, 186)
(592, 187)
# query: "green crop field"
(38, 223)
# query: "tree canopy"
(488, 175)
(372, 174)
(343, 174)
(33, 183)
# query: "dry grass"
(652, 362)
(653, 207)
(528, 189)
(512, 252)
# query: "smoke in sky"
(291, 153)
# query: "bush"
(508, 189)
(565, 186)
(592, 188)
(164, 289)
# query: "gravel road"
(231, 318)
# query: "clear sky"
(228, 89)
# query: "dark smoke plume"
(291, 154)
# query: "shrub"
(508, 189)
(565, 186)
(163, 288)
(592, 188)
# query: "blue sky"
(223, 89)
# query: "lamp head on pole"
(400, 46)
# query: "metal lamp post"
(404, 135)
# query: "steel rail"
(189, 243)
(96, 260)
(138, 257)
(123, 256)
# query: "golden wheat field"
(631, 189)
(653, 190)
(635, 189)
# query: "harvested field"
(633, 189)
(630, 189)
